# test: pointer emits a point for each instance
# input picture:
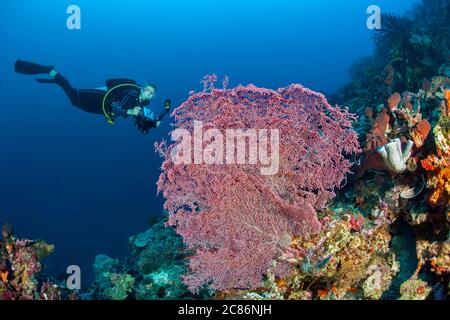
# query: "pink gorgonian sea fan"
(235, 220)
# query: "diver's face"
(147, 93)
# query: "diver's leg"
(87, 100)
(68, 89)
(65, 85)
(162, 114)
(167, 106)
(31, 68)
(91, 100)
(84, 99)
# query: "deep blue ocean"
(69, 177)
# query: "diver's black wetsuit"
(91, 100)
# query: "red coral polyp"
(430, 163)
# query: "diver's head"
(148, 92)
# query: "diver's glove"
(134, 111)
(167, 104)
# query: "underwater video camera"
(146, 119)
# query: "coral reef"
(348, 259)
(311, 231)
(20, 270)
(152, 270)
(387, 235)
(111, 285)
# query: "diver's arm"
(155, 122)
(144, 123)
(117, 111)
(125, 107)
(167, 105)
(134, 111)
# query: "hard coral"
(152, 270)
(414, 289)
(343, 261)
(438, 165)
(441, 186)
(20, 266)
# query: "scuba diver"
(120, 97)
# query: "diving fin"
(26, 67)
(46, 80)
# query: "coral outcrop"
(20, 270)
(152, 270)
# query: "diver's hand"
(134, 112)
(167, 104)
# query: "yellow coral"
(442, 187)
(4, 276)
(447, 97)
(441, 141)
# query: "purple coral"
(209, 82)
(235, 220)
